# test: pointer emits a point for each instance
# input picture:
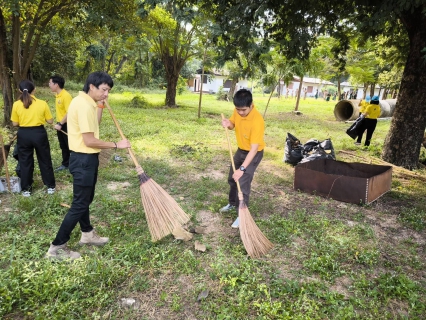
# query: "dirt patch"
(118, 185)
(341, 285)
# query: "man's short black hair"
(243, 98)
(97, 78)
(58, 80)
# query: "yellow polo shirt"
(82, 118)
(362, 106)
(249, 130)
(63, 100)
(36, 114)
(373, 111)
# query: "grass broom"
(163, 213)
(255, 242)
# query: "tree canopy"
(296, 26)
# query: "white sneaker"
(227, 208)
(50, 190)
(236, 223)
(26, 194)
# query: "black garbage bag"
(293, 150)
(356, 128)
(314, 149)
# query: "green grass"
(331, 260)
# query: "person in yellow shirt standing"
(249, 129)
(62, 102)
(84, 117)
(30, 114)
(371, 113)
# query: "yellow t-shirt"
(373, 111)
(63, 100)
(82, 118)
(249, 130)
(362, 106)
(36, 115)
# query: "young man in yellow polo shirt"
(249, 130)
(84, 116)
(62, 102)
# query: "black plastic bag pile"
(295, 152)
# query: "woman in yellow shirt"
(30, 114)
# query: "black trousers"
(370, 126)
(63, 143)
(30, 139)
(245, 180)
(84, 169)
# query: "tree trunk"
(232, 89)
(270, 96)
(298, 94)
(5, 77)
(201, 91)
(403, 142)
(120, 65)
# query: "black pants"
(63, 143)
(245, 180)
(370, 126)
(30, 139)
(84, 169)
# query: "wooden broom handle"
(121, 133)
(5, 163)
(230, 154)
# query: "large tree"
(24, 22)
(171, 31)
(297, 24)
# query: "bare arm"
(50, 121)
(92, 142)
(15, 124)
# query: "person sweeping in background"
(30, 114)
(62, 102)
(249, 130)
(371, 113)
(84, 116)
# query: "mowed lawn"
(331, 260)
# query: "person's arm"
(249, 158)
(49, 121)
(92, 142)
(15, 124)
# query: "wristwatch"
(243, 169)
(59, 124)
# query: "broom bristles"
(163, 213)
(255, 242)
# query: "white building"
(347, 87)
(310, 84)
(212, 81)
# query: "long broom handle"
(5, 163)
(230, 154)
(121, 134)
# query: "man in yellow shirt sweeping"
(62, 102)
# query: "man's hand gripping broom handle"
(123, 137)
(240, 194)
